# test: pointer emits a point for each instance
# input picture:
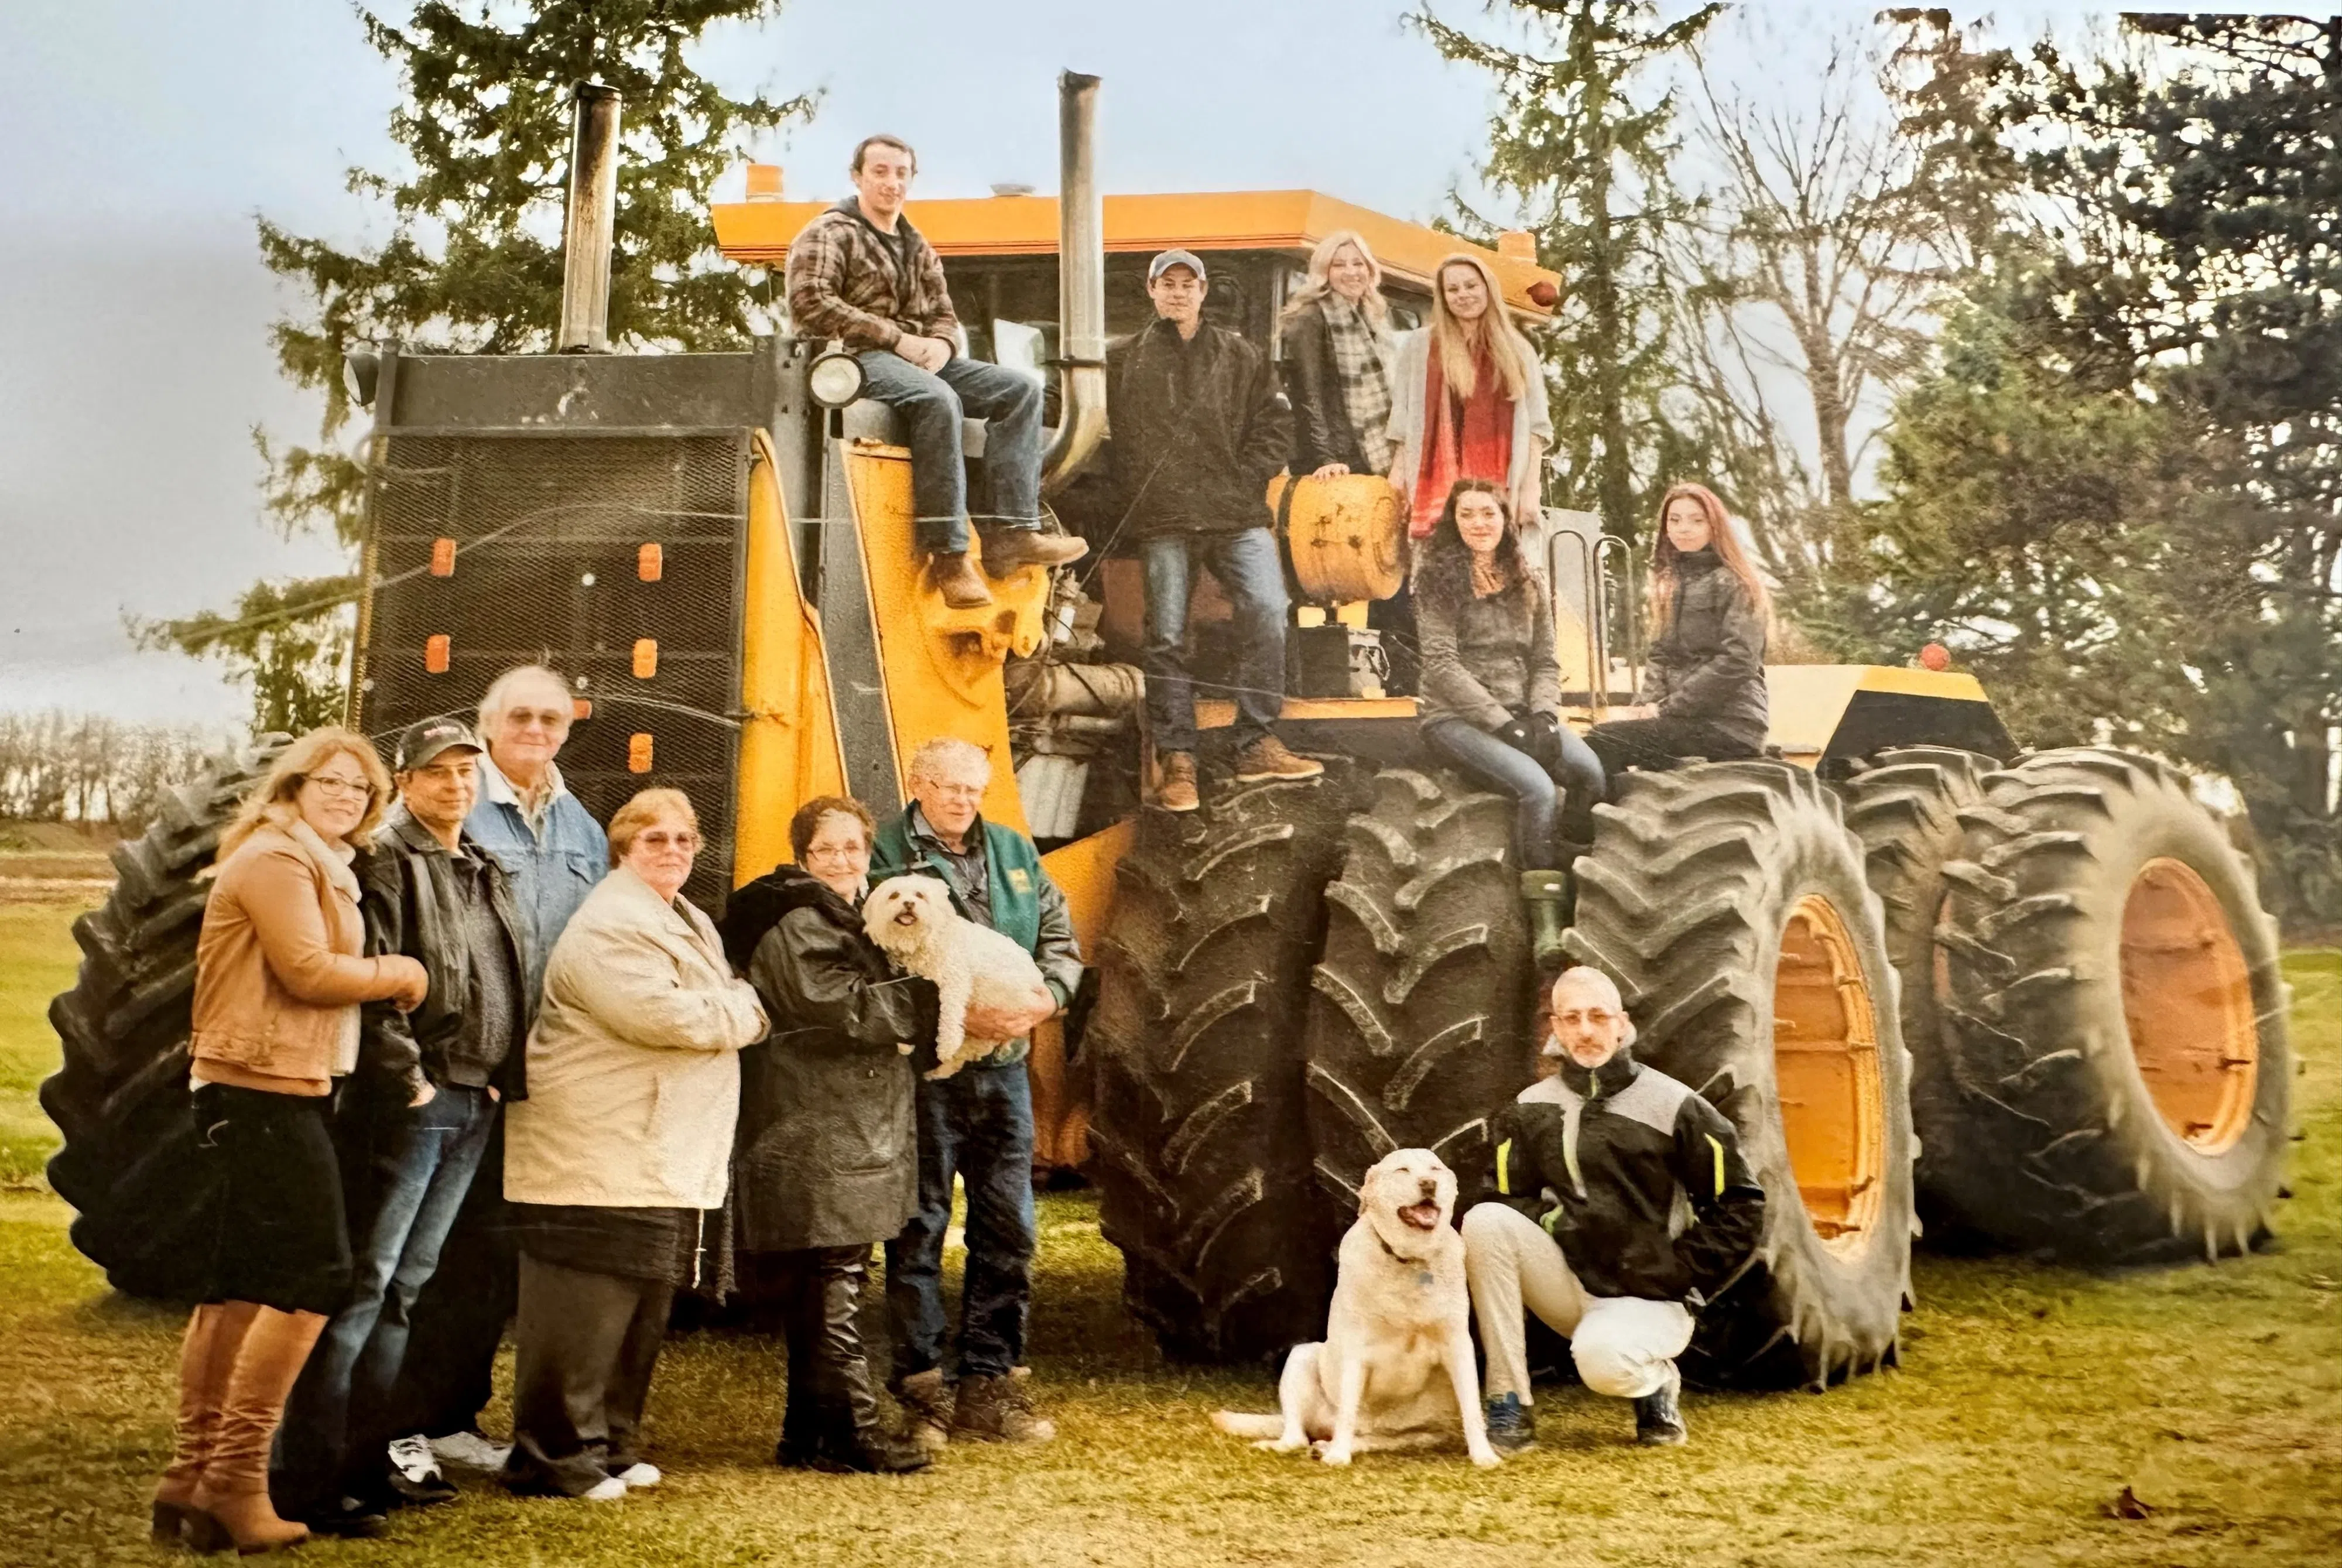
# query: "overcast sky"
(139, 137)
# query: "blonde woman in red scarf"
(1467, 399)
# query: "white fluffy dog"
(1396, 1369)
(913, 919)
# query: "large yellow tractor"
(2031, 996)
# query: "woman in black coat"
(1703, 679)
(1335, 346)
(828, 1158)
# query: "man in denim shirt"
(553, 853)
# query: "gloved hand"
(1519, 736)
(1544, 739)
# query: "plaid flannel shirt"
(1363, 362)
(849, 282)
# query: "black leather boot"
(852, 1435)
(800, 1444)
(1658, 1419)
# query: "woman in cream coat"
(616, 1165)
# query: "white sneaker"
(413, 1458)
(607, 1490)
(468, 1451)
(641, 1473)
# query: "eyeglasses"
(337, 784)
(655, 839)
(955, 791)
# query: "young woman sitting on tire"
(279, 975)
(1491, 686)
(1703, 679)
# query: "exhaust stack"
(593, 214)
(1081, 285)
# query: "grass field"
(2029, 1398)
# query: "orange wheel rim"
(2187, 1002)
(1825, 1068)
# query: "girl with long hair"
(1335, 339)
(1703, 679)
(1468, 398)
(1491, 686)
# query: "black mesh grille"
(547, 534)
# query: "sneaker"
(958, 581)
(999, 1409)
(609, 1489)
(416, 1459)
(1267, 758)
(929, 1407)
(1658, 1421)
(465, 1451)
(1006, 549)
(402, 1491)
(641, 1473)
(1176, 792)
(1512, 1425)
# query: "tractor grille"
(614, 558)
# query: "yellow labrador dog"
(1396, 1369)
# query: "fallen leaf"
(2129, 1506)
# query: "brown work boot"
(231, 1500)
(999, 1409)
(1005, 549)
(958, 581)
(1267, 758)
(927, 1408)
(1178, 789)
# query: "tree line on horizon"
(87, 768)
(2032, 352)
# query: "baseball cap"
(1169, 259)
(424, 741)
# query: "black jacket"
(1612, 1162)
(1708, 662)
(1199, 430)
(827, 1150)
(1322, 431)
(414, 898)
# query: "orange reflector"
(579, 708)
(638, 753)
(434, 653)
(645, 658)
(650, 563)
(443, 557)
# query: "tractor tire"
(1201, 1144)
(1906, 810)
(2115, 1018)
(128, 1163)
(1729, 901)
(1418, 1012)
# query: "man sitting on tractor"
(861, 275)
(1200, 428)
(1594, 1167)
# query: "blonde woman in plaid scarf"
(1337, 352)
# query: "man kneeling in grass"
(1597, 1167)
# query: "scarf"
(1470, 438)
(1489, 578)
(335, 862)
(1362, 363)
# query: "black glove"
(1519, 736)
(1545, 738)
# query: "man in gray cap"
(1199, 430)
(432, 892)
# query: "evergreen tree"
(473, 263)
(1582, 139)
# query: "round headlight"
(834, 379)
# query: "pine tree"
(1583, 140)
(473, 263)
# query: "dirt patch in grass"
(2028, 1399)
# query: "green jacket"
(1023, 904)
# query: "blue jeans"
(1529, 782)
(1248, 571)
(420, 1163)
(931, 407)
(977, 1122)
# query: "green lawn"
(2028, 1399)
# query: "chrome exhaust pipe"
(593, 216)
(1081, 285)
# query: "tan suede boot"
(232, 1498)
(206, 1355)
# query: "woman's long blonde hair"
(292, 769)
(1734, 560)
(1321, 261)
(1451, 339)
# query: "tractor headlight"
(834, 379)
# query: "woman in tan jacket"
(279, 975)
(616, 1163)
